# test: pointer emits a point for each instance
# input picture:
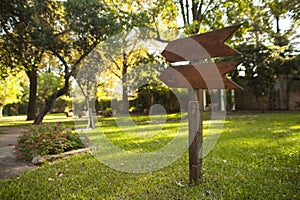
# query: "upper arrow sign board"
(206, 45)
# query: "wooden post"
(195, 137)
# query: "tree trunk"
(31, 110)
(183, 12)
(1, 111)
(125, 106)
(89, 105)
(51, 100)
(277, 24)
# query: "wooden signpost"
(198, 76)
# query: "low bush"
(40, 140)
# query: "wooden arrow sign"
(199, 76)
(206, 45)
(210, 75)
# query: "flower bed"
(47, 139)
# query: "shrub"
(40, 140)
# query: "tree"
(268, 53)
(11, 90)
(73, 38)
(18, 52)
(126, 52)
(259, 75)
(55, 28)
(88, 82)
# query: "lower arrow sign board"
(204, 76)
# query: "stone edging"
(38, 160)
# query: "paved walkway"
(9, 164)
(10, 138)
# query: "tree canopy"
(34, 33)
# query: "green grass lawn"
(256, 157)
(9, 121)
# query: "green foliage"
(11, 90)
(158, 15)
(258, 71)
(262, 67)
(47, 84)
(40, 140)
(62, 104)
(294, 9)
(258, 161)
(151, 94)
(103, 104)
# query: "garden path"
(10, 165)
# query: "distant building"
(285, 96)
